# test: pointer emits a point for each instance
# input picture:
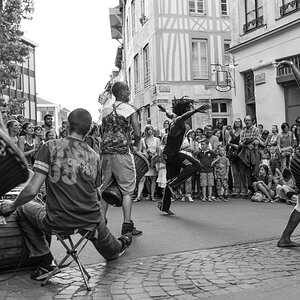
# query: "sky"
(75, 54)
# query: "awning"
(115, 17)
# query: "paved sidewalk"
(248, 271)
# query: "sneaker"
(204, 199)
(209, 199)
(189, 199)
(138, 199)
(225, 199)
(182, 199)
(125, 240)
(42, 272)
(129, 227)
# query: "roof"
(43, 101)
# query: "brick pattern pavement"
(186, 275)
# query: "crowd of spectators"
(29, 138)
(244, 160)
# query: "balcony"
(289, 7)
(254, 24)
(285, 74)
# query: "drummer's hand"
(7, 206)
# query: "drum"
(13, 165)
(13, 251)
(112, 195)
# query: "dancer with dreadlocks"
(180, 166)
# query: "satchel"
(232, 153)
(257, 197)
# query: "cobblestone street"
(216, 273)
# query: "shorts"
(206, 179)
(222, 183)
(120, 167)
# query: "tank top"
(28, 147)
(174, 143)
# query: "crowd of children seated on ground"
(216, 148)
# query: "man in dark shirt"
(180, 166)
(71, 170)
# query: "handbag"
(232, 153)
(257, 197)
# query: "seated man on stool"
(71, 170)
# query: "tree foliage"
(12, 50)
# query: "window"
(19, 82)
(129, 78)
(146, 66)
(31, 85)
(31, 59)
(289, 6)
(249, 87)
(226, 53)
(144, 8)
(199, 59)
(148, 111)
(254, 14)
(127, 31)
(224, 8)
(220, 110)
(219, 107)
(196, 6)
(26, 84)
(133, 17)
(136, 74)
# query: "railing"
(287, 71)
(253, 24)
(290, 7)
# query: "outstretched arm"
(202, 109)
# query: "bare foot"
(287, 244)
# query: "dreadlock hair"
(180, 106)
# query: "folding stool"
(71, 250)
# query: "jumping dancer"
(179, 166)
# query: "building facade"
(25, 86)
(175, 49)
(264, 33)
